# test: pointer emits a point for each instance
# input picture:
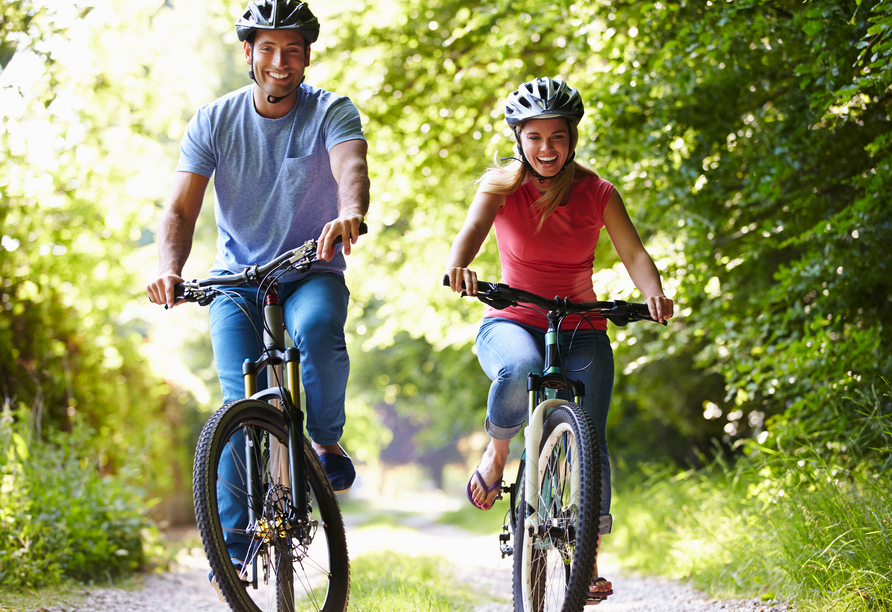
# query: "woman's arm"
(470, 238)
(638, 262)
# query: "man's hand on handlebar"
(161, 290)
(347, 226)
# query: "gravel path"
(474, 560)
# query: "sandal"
(596, 597)
(496, 486)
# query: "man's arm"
(175, 234)
(351, 171)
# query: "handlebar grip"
(363, 229)
(446, 282)
(179, 289)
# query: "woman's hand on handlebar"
(462, 279)
(661, 308)
(161, 290)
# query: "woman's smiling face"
(546, 144)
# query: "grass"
(798, 529)
(476, 521)
(387, 581)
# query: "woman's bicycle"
(297, 556)
(554, 510)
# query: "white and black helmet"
(543, 98)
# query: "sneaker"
(339, 469)
(239, 567)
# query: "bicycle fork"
(290, 473)
(543, 392)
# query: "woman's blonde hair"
(506, 179)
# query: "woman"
(548, 212)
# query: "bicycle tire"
(314, 561)
(557, 562)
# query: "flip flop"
(489, 489)
(598, 596)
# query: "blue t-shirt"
(272, 177)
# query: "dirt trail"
(474, 560)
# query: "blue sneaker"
(242, 572)
(339, 469)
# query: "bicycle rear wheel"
(554, 557)
(295, 561)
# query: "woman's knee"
(519, 368)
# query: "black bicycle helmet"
(543, 98)
(277, 15)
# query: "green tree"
(81, 135)
(749, 139)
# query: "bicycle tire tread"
(204, 493)
(588, 521)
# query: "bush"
(59, 515)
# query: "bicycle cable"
(234, 297)
(585, 319)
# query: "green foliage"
(60, 517)
(81, 136)
(77, 155)
(750, 140)
(427, 398)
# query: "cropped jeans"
(509, 351)
(315, 311)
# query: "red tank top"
(558, 260)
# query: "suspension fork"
(295, 418)
(542, 391)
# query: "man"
(289, 164)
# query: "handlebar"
(299, 259)
(501, 296)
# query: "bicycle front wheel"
(294, 559)
(555, 550)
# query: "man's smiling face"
(280, 59)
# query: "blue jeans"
(315, 311)
(509, 351)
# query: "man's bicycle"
(554, 508)
(297, 556)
